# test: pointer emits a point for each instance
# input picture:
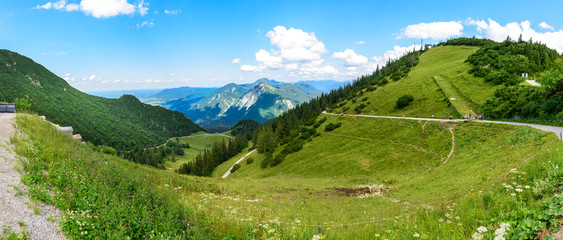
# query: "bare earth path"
(15, 210)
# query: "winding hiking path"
(242, 158)
(15, 205)
(557, 130)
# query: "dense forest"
(123, 123)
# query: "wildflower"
(457, 217)
(448, 221)
(477, 236)
(440, 220)
(272, 230)
(518, 190)
(377, 235)
(513, 194)
(527, 187)
(416, 235)
(482, 229)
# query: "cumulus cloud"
(291, 66)
(236, 61)
(173, 12)
(394, 54)
(497, 32)
(434, 30)
(316, 68)
(92, 77)
(296, 45)
(268, 60)
(99, 8)
(350, 57)
(544, 25)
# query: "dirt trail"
(14, 203)
(242, 158)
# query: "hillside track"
(14, 203)
(546, 128)
(242, 158)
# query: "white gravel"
(14, 209)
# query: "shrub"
(331, 126)
(278, 159)
(267, 160)
(403, 101)
(249, 160)
(235, 167)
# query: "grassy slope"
(198, 142)
(365, 151)
(447, 64)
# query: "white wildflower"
(477, 236)
(518, 190)
(513, 194)
(377, 235)
(527, 187)
(316, 237)
(440, 220)
(482, 229)
(416, 235)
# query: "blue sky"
(134, 44)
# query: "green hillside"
(121, 123)
(446, 65)
(197, 142)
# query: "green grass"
(104, 196)
(447, 64)
(198, 142)
(397, 154)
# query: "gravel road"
(15, 210)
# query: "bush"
(278, 159)
(404, 101)
(249, 160)
(235, 167)
(331, 126)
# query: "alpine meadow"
(126, 119)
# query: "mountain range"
(217, 109)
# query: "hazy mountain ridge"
(223, 107)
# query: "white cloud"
(173, 12)
(146, 23)
(360, 42)
(69, 78)
(434, 30)
(92, 77)
(544, 25)
(296, 45)
(72, 7)
(351, 69)
(106, 8)
(268, 60)
(316, 68)
(236, 61)
(143, 8)
(497, 32)
(291, 66)
(99, 8)
(350, 57)
(251, 68)
(394, 54)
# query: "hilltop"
(121, 123)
